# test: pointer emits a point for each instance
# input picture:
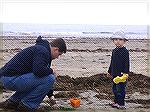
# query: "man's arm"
(40, 65)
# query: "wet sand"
(95, 93)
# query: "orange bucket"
(75, 102)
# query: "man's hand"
(54, 70)
(52, 101)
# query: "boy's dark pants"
(119, 93)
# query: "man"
(29, 74)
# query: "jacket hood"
(43, 42)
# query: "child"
(29, 74)
(119, 65)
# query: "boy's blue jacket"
(35, 59)
(119, 62)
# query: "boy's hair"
(60, 43)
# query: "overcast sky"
(104, 12)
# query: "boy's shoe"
(121, 107)
(114, 105)
(8, 104)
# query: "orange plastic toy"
(75, 102)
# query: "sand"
(82, 72)
(95, 93)
(86, 56)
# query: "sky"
(74, 15)
(29, 28)
(99, 12)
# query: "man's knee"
(50, 79)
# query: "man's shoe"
(8, 104)
(23, 108)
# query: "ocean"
(73, 30)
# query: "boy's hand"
(126, 75)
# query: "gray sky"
(99, 12)
(73, 28)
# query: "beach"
(81, 72)
(85, 56)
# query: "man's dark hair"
(60, 43)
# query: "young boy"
(119, 65)
(29, 74)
